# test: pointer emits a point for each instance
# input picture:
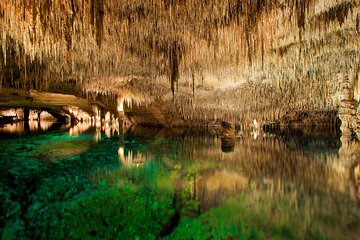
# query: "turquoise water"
(58, 182)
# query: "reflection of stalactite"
(355, 180)
(349, 157)
(130, 158)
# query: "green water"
(59, 182)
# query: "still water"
(62, 182)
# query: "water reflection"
(277, 176)
(109, 129)
(46, 123)
(79, 128)
(310, 163)
(214, 186)
(35, 125)
(131, 158)
(270, 159)
(349, 161)
(22, 127)
(282, 176)
(302, 163)
(13, 128)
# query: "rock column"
(348, 109)
(349, 114)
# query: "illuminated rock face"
(201, 60)
(347, 114)
(349, 109)
(9, 112)
(17, 114)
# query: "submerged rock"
(227, 137)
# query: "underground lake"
(83, 182)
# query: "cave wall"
(203, 60)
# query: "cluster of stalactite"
(107, 47)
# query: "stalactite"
(337, 13)
(92, 12)
(99, 16)
(99, 42)
(174, 61)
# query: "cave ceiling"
(195, 54)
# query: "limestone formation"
(348, 109)
(200, 60)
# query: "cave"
(179, 119)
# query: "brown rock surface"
(241, 60)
